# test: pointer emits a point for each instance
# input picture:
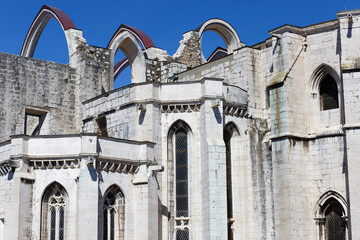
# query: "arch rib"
(38, 25)
(224, 30)
(142, 37)
(318, 75)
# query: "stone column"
(213, 165)
(18, 211)
(146, 204)
(87, 201)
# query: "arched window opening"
(181, 173)
(329, 98)
(178, 165)
(53, 213)
(229, 132)
(52, 45)
(114, 214)
(331, 217)
(335, 225)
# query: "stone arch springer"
(42, 18)
(224, 30)
(133, 43)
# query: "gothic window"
(113, 214)
(181, 173)
(178, 147)
(334, 223)
(53, 213)
(328, 93)
(331, 218)
(229, 131)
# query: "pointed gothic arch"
(131, 41)
(179, 164)
(113, 210)
(331, 216)
(54, 205)
(326, 86)
(38, 25)
(230, 132)
(319, 73)
(224, 30)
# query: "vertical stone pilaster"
(18, 213)
(213, 158)
(146, 205)
(87, 201)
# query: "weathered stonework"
(253, 123)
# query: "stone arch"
(325, 198)
(178, 124)
(114, 186)
(131, 41)
(319, 74)
(120, 66)
(176, 226)
(331, 216)
(38, 25)
(225, 31)
(54, 211)
(323, 76)
(113, 213)
(232, 128)
(231, 139)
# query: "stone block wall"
(27, 83)
(117, 107)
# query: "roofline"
(307, 30)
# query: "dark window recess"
(335, 224)
(182, 234)
(329, 94)
(101, 122)
(181, 172)
(33, 122)
(227, 140)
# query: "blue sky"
(163, 21)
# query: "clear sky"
(163, 21)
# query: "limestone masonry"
(255, 142)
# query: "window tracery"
(54, 213)
(113, 214)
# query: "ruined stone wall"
(118, 108)
(36, 84)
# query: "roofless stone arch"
(38, 25)
(131, 41)
(225, 31)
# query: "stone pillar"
(213, 171)
(18, 211)
(146, 204)
(87, 201)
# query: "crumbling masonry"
(256, 142)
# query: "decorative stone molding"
(237, 111)
(4, 170)
(182, 223)
(179, 108)
(55, 164)
(116, 167)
